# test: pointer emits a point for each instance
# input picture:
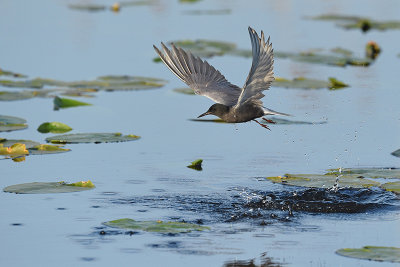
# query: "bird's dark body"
(236, 114)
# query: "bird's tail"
(268, 111)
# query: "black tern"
(233, 104)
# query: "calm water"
(47, 39)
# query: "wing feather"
(261, 74)
(203, 78)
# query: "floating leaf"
(363, 23)
(369, 172)
(47, 149)
(348, 177)
(155, 226)
(9, 123)
(87, 184)
(91, 138)
(46, 188)
(67, 103)
(392, 186)
(208, 48)
(196, 165)
(208, 12)
(109, 83)
(323, 181)
(187, 91)
(388, 254)
(394, 153)
(342, 51)
(10, 73)
(14, 150)
(189, 1)
(88, 7)
(12, 96)
(305, 83)
(54, 127)
(9, 142)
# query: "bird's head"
(217, 109)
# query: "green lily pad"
(369, 172)
(88, 7)
(9, 142)
(11, 73)
(91, 138)
(348, 177)
(196, 165)
(47, 149)
(305, 83)
(186, 91)
(46, 188)
(12, 96)
(208, 12)
(10, 123)
(392, 186)
(388, 254)
(155, 226)
(108, 83)
(363, 23)
(67, 103)
(208, 48)
(394, 153)
(323, 181)
(54, 127)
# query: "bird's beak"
(204, 114)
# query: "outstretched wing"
(203, 78)
(261, 73)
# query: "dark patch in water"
(264, 207)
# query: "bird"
(232, 103)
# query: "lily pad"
(375, 253)
(369, 172)
(394, 153)
(155, 226)
(54, 127)
(348, 177)
(10, 123)
(186, 91)
(196, 165)
(9, 142)
(12, 96)
(109, 83)
(209, 48)
(51, 187)
(67, 103)
(11, 73)
(47, 149)
(323, 181)
(208, 12)
(392, 186)
(305, 83)
(362, 23)
(91, 138)
(14, 150)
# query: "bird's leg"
(267, 120)
(262, 125)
